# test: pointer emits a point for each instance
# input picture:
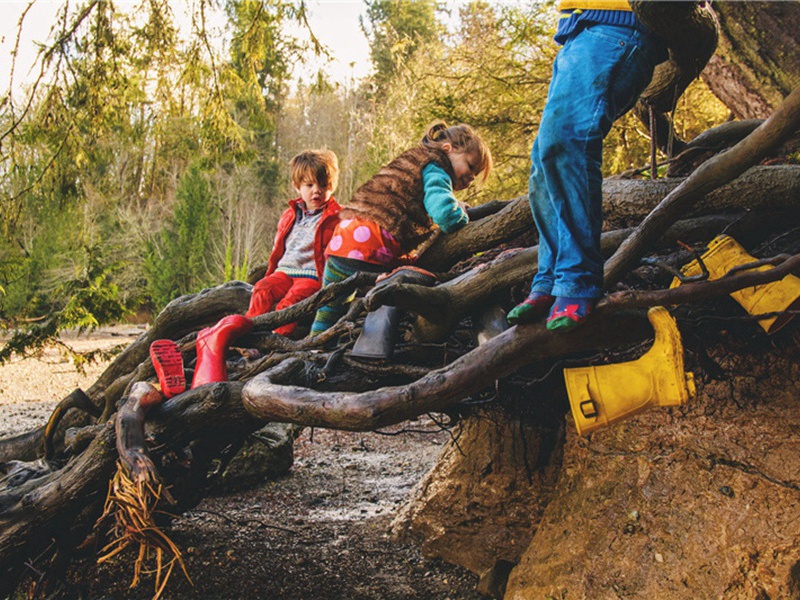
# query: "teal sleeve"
(439, 200)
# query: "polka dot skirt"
(363, 240)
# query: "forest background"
(145, 160)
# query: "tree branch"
(611, 324)
(712, 174)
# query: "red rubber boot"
(212, 345)
(168, 363)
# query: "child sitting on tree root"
(294, 273)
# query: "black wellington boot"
(379, 333)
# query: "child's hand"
(485, 210)
(419, 270)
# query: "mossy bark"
(757, 62)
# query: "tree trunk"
(625, 203)
(691, 32)
(757, 62)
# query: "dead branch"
(711, 175)
(129, 426)
(77, 399)
(708, 143)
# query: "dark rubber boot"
(379, 333)
(212, 345)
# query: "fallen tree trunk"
(64, 505)
(625, 203)
(32, 522)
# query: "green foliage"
(396, 29)
(232, 270)
(253, 83)
(178, 261)
(91, 298)
(94, 151)
(87, 300)
(628, 144)
(698, 110)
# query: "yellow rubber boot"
(725, 253)
(604, 394)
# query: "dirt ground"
(320, 532)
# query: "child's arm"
(439, 200)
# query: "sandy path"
(30, 388)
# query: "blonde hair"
(462, 138)
(319, 166)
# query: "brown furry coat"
(393, 198)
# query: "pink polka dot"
(345, 224)
(362, 234)
(335, 243)
(355, 254)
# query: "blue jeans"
(597, 77)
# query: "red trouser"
(278, 290)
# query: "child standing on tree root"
(606, 62)
(294, 272)
(395, 211)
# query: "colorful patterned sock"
(568, 313)
(534, 307)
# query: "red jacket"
(323, 234)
